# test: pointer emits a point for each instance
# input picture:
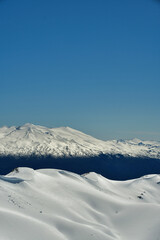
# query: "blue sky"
(91, 65)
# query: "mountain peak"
(28, 125)
(64, 141)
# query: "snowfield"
(54, 204)
(58, 142)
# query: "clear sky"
(93, 65)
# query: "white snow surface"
(64, 141)
(55, 204)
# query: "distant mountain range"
(68, 149)
(66, 142)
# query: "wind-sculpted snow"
(59, 142)
(55, 204)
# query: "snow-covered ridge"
(60, 205)
(64, 141)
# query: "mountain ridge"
(57, 204)
(30, 139)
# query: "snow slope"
(54, 204)
(58, 142)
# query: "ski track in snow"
(60, 205)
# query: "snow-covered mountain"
(58, 142)
(60, 205)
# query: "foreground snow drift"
(54, 204)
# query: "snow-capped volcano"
(64, 141)
(54, 204)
